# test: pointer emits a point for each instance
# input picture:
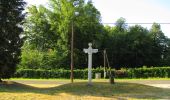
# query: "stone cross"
(90, 51)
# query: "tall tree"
(159, 41)
(116, 43)
(166, 60)
(11, 17)
(53, 27)
(121, 26)
(41, 31)
(156, 33)
(87, 29)
(141, 48)
(132, 46)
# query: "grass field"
(101, 90)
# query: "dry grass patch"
(80, 91)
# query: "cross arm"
(95, 50)
(85, 50)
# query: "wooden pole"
(104, 54)
(111, 77)
(72, 48)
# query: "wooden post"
(72, 48)
(111, 76)
(104, 54)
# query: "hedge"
(32, 73)
(155, 72)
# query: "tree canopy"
(11, 17)
(48, 31)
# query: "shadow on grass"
(99, 89)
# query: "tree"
(141, 48)
(52, 28)
(160, 42)
(40, 29)
(167, 54)
(116, 43)
(156, 33)
(88, 29)
(11, 17)
(133, 46)
(121, 26)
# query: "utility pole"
(75, 4)
(72, 48)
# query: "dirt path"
(40, 82)
(156, 83)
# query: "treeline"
(136, 46)
(48, 36)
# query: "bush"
(31, 59)
(34, 59)
(155, 72)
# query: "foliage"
(51, 28)
(155, 72)
(135, 46)
(158, 72)
(35, 59)
(57, 73)
(39, 31)
(11, 17)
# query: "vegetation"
(42, 41)
(158, 72)
(11, 17)
(48, 32)
(80, 90)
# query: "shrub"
(34, 59)
(155, 72)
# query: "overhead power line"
(137, 23)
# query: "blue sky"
(134, 11)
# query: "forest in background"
(47, 34)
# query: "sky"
(134, 11)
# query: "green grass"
(79, 90)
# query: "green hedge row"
(155, 72)
(32, 73)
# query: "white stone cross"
(90, 51)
